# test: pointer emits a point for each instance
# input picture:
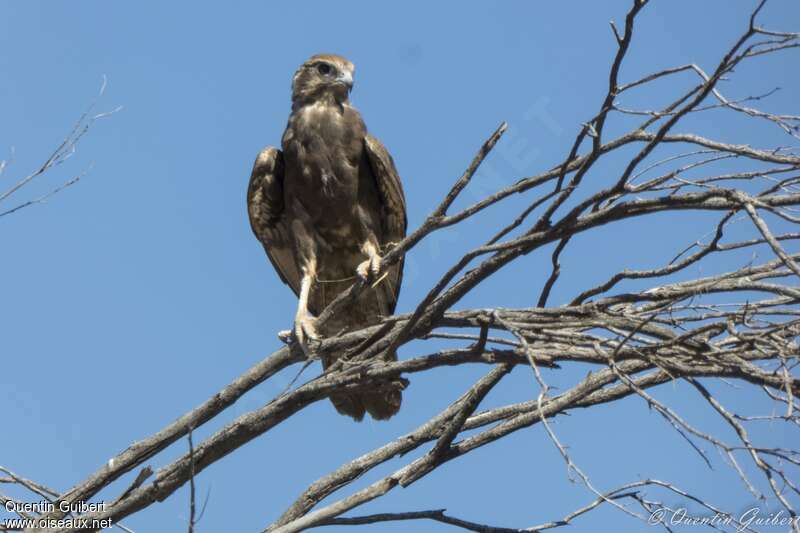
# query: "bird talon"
(305, 333)
(285, 336)
(369, 269)
(363, 270)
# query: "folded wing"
(265, 207)
(393, 205)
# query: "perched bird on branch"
(326, 208)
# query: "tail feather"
(370, 306)
(351, 405)
(382, 405)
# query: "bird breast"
(323, 149)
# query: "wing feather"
(265, 207)
(393, 205)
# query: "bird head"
(323, 76)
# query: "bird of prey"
(326, 207)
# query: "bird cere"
(326, 206)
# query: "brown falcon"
(326, 207)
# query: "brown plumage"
(326, 208)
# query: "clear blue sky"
(138, 293)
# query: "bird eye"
(324, 69)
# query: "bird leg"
(305, 330)
(304, 323)
(369, 269)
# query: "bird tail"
(381, 404)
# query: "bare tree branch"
(633, 332)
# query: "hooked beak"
(346, 79)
